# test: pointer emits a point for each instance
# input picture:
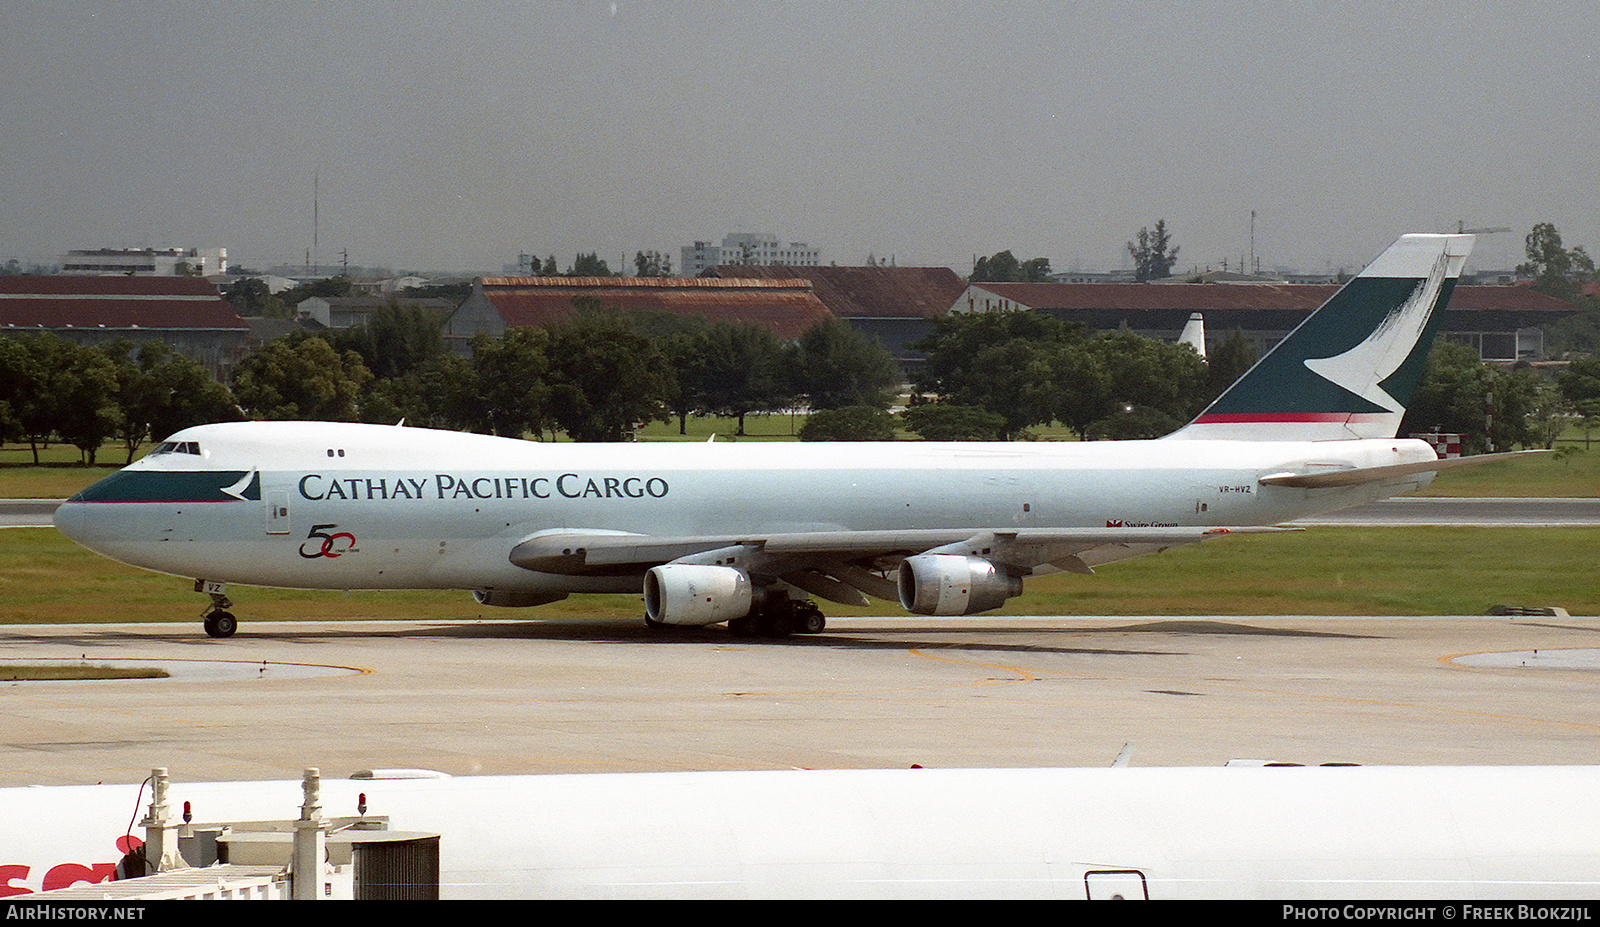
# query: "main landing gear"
(218, 621)
(780, 616)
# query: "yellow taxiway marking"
(1022, 674)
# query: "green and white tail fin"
(1350, 368)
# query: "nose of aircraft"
(89, 520)
(71, 520)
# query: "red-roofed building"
(1502, 322)
(786, 307)
(895, 305)
(186, 313)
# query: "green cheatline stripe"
(169, 486)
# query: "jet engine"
(949, 584)
(692, 594)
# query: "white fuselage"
(341, 506)
(1236, 832)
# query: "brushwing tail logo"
(1363, 369)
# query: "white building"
(146, 262)
(750, 249)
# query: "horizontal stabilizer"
(1322, 479)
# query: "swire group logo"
(320, 543)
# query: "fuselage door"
(1115, 885)
(277, 511)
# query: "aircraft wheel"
(743, 627)
(221, 624)
(812, 622)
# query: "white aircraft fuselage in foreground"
(1510, 832)
(746, 533)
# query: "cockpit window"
(177, 447)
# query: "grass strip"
(44, 578)
(77, 671)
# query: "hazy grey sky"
(455, 134)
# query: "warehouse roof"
(63, 301)
(868, 292)
(1203, 297)
(787, 307)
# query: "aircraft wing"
(841, 565)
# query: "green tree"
(743, 369)
(1019, 386)
(85, 387)
(11, 354)
(1081, 386)
(33, 369)
(953, 346)
(1588, 413)
(852, 423)
(1452, 396)
(835, 365)
(1153, 254)
(250, 297)
(510, 386)
(160, 391)
(606, 378)
(301, 377)
(1006, 268)
(1528, 410)
(27, 406)
(589, 265)
(1159, 375)
(396, 339)
(1227, 362)
(446, 391)
(687, 357)
(1549, 262)
(1580, 381)
(1030, 369)
(1132, 422)
(940, 421)
(652, 264)
(1005, 362)
(1001, 268)
(327, 288)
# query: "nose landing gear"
(217, 620)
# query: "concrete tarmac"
(610, 696)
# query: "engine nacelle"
(513, 598)
(949, 584)
(692, 594)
